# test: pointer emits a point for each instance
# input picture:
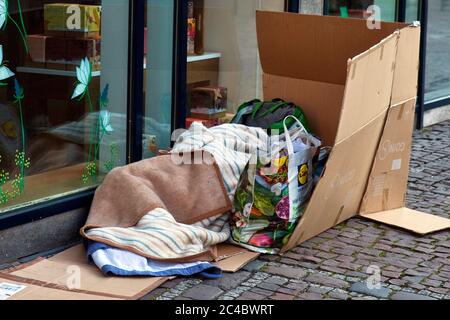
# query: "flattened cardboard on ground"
(233, 258)
(353, 83)
(36, 292)
(408, 219)
(52, 276)
(59, 270)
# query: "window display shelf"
(205, 56)
(52, 72)
(65, 73)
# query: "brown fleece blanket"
(190, 192)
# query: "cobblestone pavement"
(338, 263)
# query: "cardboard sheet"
(407, 65)
(53, 278)
(369, 87)
(233, 258)
(60, 270)
(411, 220)
(388, 180)
(35, 292)
(312, 47)
(338, 195)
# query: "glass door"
(63, 96)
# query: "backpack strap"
(258, 106)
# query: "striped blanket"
(158, 235)
(232, 146)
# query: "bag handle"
(289, 144)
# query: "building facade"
(87, 86)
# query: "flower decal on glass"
(21, 161)
(17, 185)
(104, 101)
(5, 16)
(105, 118)
(102, 124)
(5, 73)
(84, 77)
(3, 13)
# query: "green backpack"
(269, 115)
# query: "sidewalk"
(335, 264)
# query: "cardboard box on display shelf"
(77, 18)
(357, 87)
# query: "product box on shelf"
(208, 102)
(68, 18)
(61, 53)
(191, 36)
(196, 13)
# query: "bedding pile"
(141, 224)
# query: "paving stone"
(391, 274)
(398, 282)
(332, 269)
(409, 296)
(327, 281)
(321, 290)
(203, 292)
(338, 295)
(268, 286)
(361, 287)
(255, 265)
(229, 280)
(310, 296)
(288, 291)
(251, 296)
(262, 292)
(276, 280)
(282, 296)
(432, 283)
(301, 286)
(288, 272)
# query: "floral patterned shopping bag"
(273, 191)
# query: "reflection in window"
(62, 96)
(358, 8)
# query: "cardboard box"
(191, 36)
(36, 47)
(62, 53)
(358, 88)
(209, 97)
(198, 15)
(72, 17)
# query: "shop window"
(437, 82)
(358, 8)
(63, 97)
(223, 68)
